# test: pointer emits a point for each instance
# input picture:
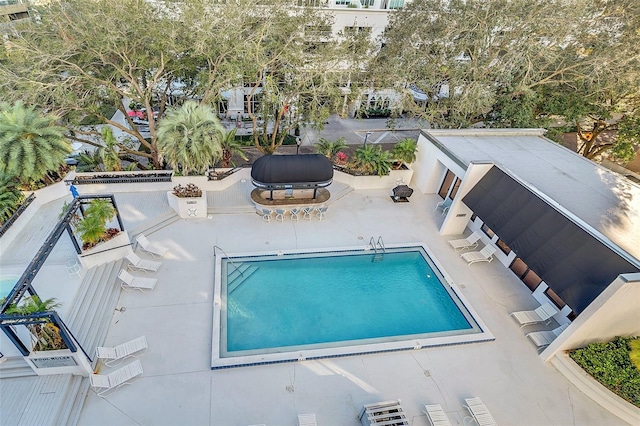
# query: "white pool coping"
(346, 348)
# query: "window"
(456, 185)
(555, 298)
(446, 184)
(503, 246)
(526, 275)
(487, 230)
(252, 104)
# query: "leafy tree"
(230, 147)
(516, 63)
(31, 146)
(86, 57)
(405, 151)
(190, 137)
(330, 148)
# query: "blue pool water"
(6, 284)
(283, 302)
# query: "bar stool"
(73, 267)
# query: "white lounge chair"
(484, 255)
(146, 265)
(117, 354)
(436, 415)
(542, 314)
(542, 339)
(129, 282)
(466, 243)
(444, 205)
(148, 247)
(104, 384)
(307, 419)
(479, 413)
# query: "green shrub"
(610, 364)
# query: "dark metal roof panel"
(292, 169)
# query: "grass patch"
(611, 364)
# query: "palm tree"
(93, 227)
(31, 146)
(10, 197)
(231, 146)
(404, 151)
(190, 137)
(330, 148)
(372, 159)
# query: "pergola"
(290, 172)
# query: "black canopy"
(292, 171)
(573, 262)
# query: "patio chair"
(307, 212)
(542, 339)
(479, 413)
(466, 243)
(320, 212)
(266, 214)
(295, 214)
(542, 314)
(148, 247)
(280, 214)
(436, 415)
(444, 205)
(484, 255)
(145, 265)
(129, 282)
(307, 419)
(104, 384)
(117, 354)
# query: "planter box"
(114, 249)
(189, 208)
(61, 361)
(376, 182)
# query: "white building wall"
(615, 312)
(431, 165)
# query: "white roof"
(605, 200)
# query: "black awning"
(574, 263)
(294, 171)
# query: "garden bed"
(610, 364)
(120, 177)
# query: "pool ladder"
(378, 248)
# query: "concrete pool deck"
(178, 386)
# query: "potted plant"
(99, 243)
(44, 336)
(189, 201)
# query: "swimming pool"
(7, 282)
(280, 307)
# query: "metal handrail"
(372, 244)
(381, 244)
(228, 258)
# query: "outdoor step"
(72, 401)
(96, 323)
(233, 286)
(154, 224)
(237, 270)
(46, 396)
(85, 286)
(15, 366)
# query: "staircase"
(239, 276)
(58, 399)
(155, 224)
